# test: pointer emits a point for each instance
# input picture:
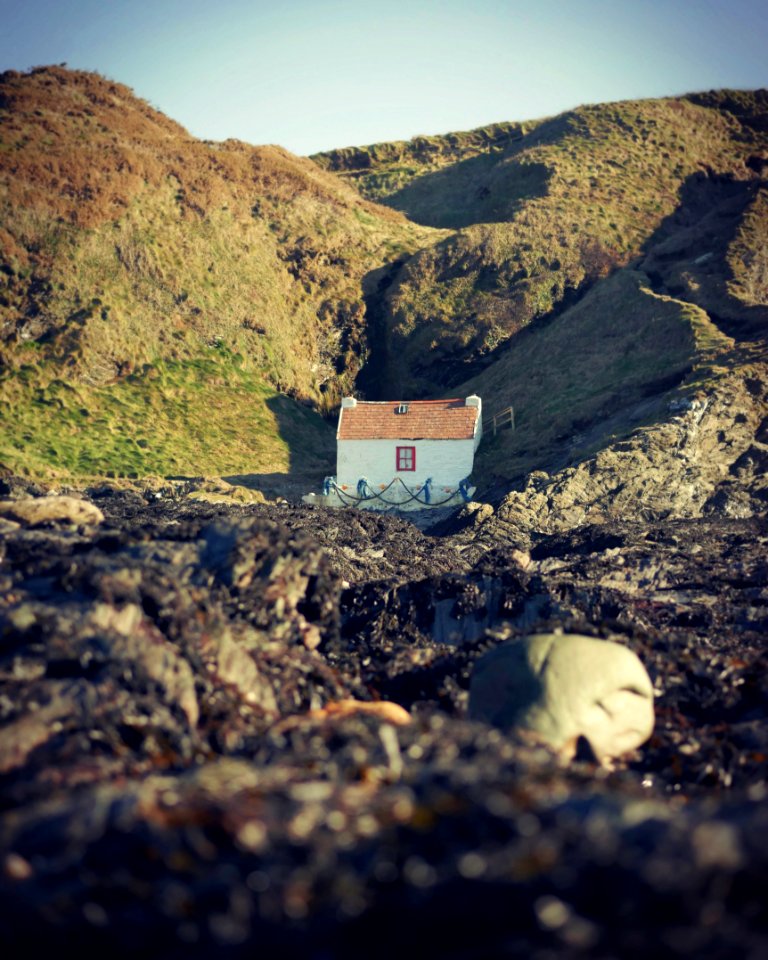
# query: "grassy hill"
(541, 217)
(594, 373)
(382, 170)
(178, 307)
(159, 294)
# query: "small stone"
(561, 687)
(252, 835)
(483, 513)
(717, 844)
(310, 635)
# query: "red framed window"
(405, 458)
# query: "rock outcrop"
(706, 457)
(35, 511)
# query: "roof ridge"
(385, 402)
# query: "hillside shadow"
(687, 255)
(488, 188)
(582, 382)
(311, 453)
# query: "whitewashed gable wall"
(447, 462)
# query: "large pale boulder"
(560, 687)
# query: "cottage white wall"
(478, 432)
(447, 462)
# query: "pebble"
(15, 867)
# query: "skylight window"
(401, 408)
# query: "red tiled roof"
(425, 420)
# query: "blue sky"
(316, 74)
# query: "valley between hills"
(588, 269)
(231, 722)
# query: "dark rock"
(182, 775)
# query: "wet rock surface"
(184, 772)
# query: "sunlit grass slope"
(383, 169)
(130, 239)
(211, 415)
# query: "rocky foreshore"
(230, 729)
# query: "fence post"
(507, 415)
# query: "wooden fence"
(504, 418)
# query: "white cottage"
(407, 454)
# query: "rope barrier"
(363, 485)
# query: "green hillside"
(541, 219)
(381, 170)
(595, 373)
(170, 306)
(133, 256)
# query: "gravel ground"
(182, 773)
